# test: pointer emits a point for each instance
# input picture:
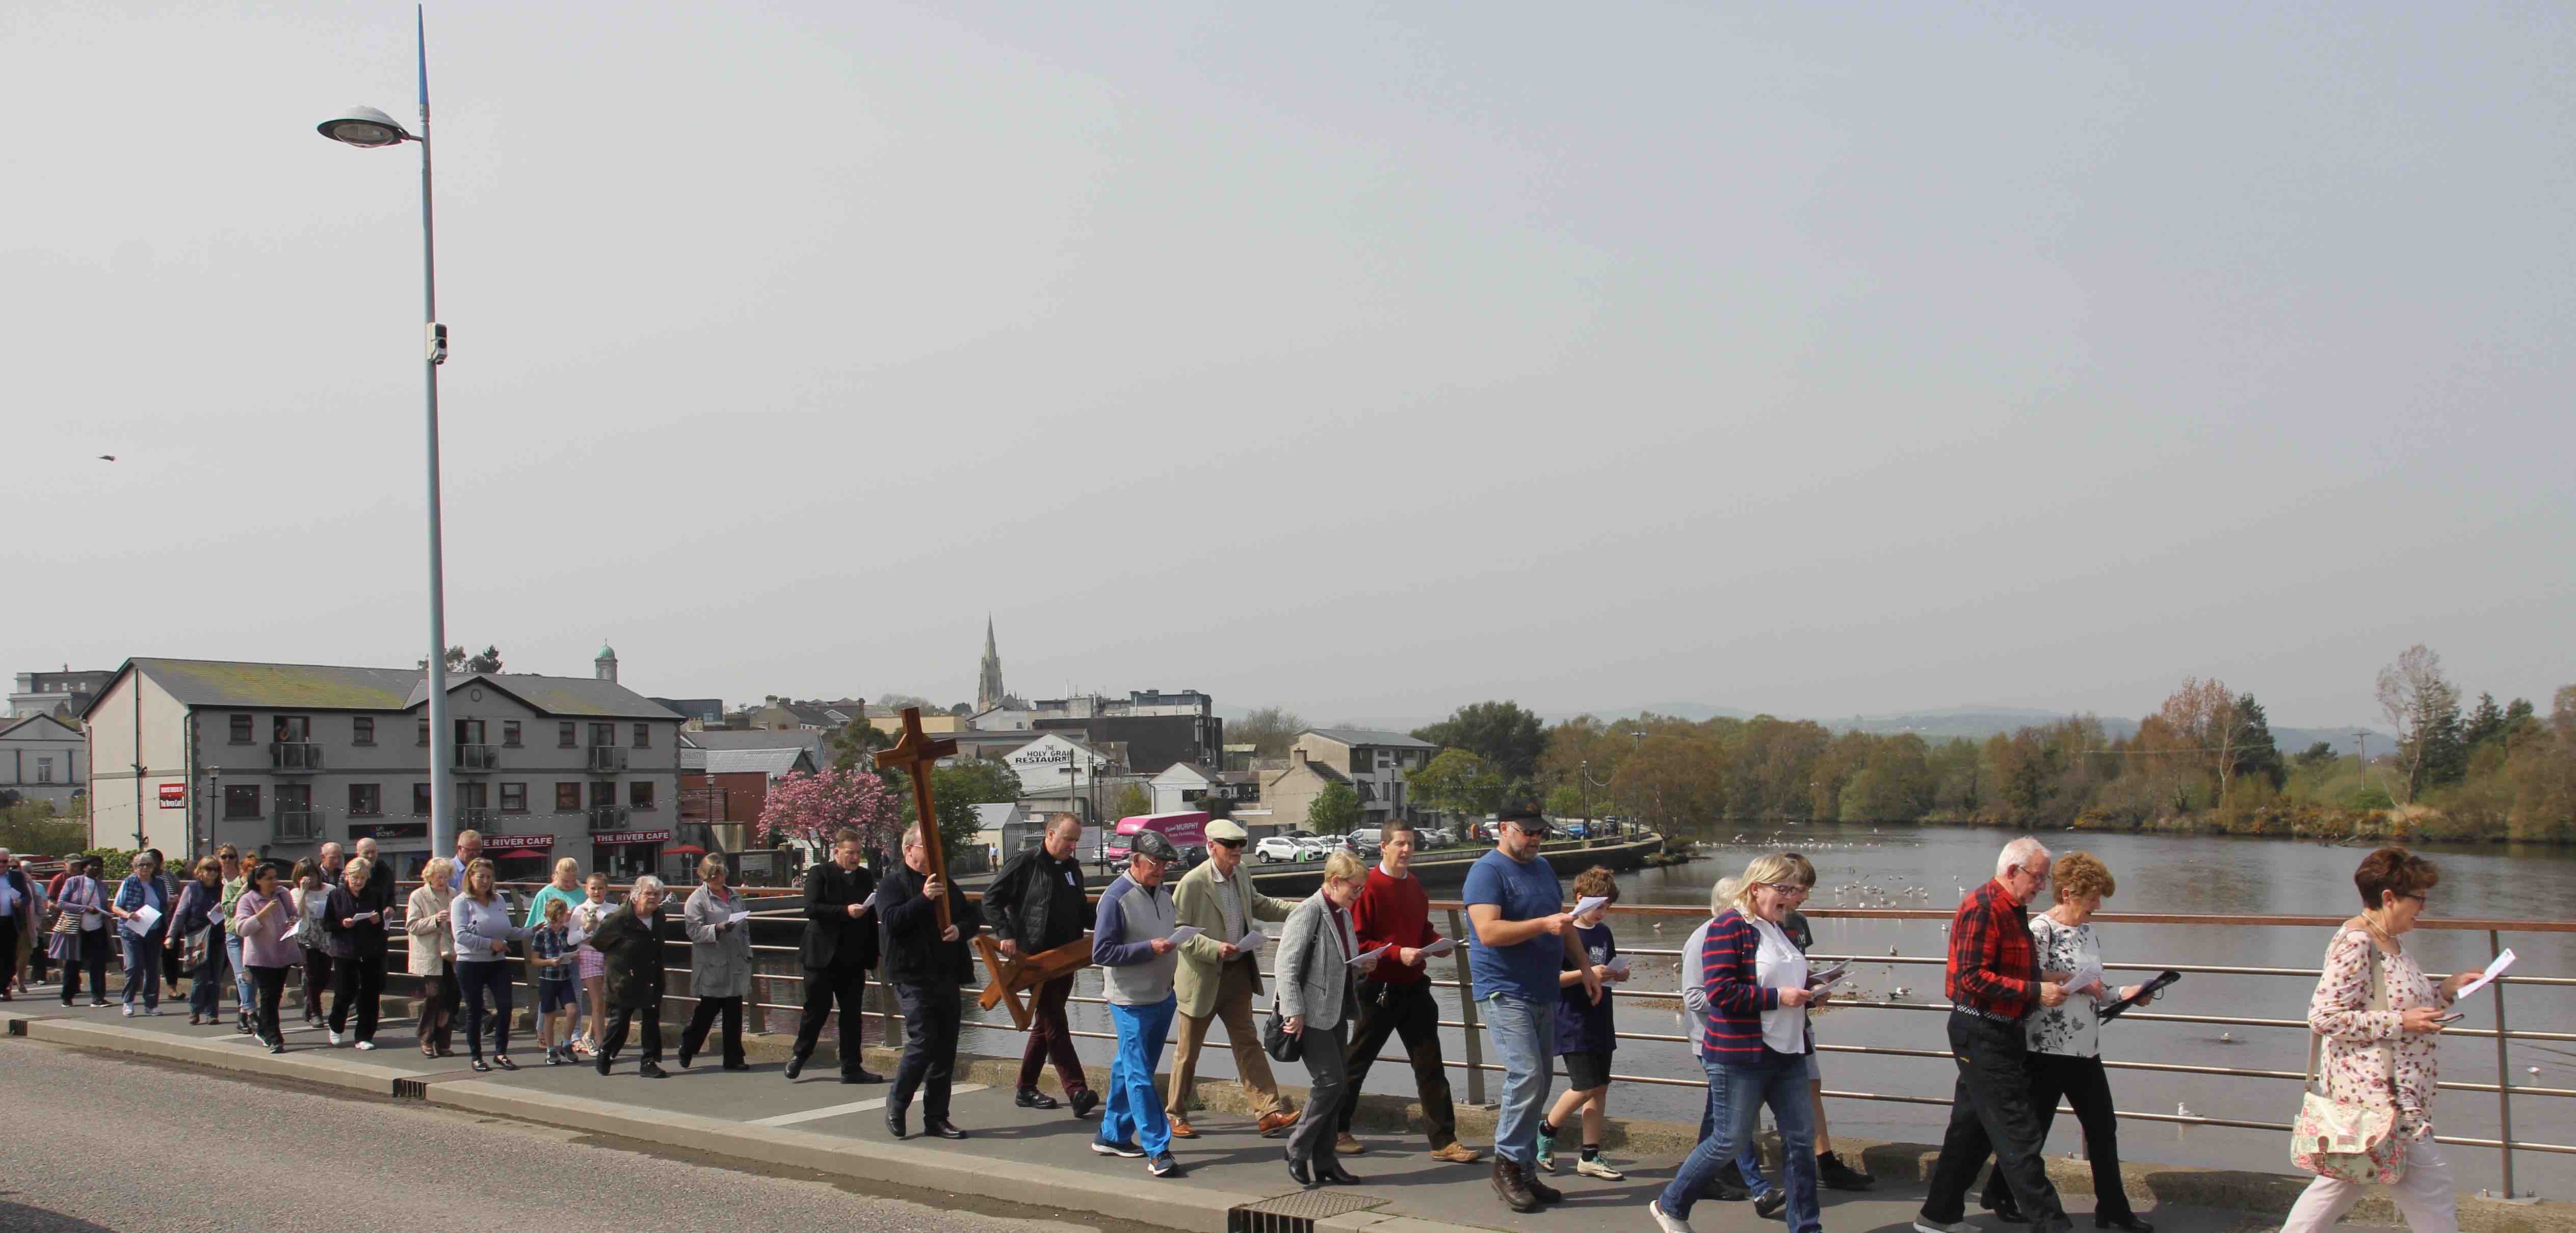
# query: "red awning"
(686, 849)
(515, 854)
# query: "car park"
(1276, 848)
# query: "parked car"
(1365, 841)
(1275, 848)
(1313, 847)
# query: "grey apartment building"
(282, 758)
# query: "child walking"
(1586, 1033)
(552, 951)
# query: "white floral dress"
(2070, 1029)
(2362, 1045)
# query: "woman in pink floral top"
(2384, 1056)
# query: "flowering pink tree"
(811, 807)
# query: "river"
(1911, 867)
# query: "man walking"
(1520, 938)
(840, 946)
(925, 963)
(1393, 910)
(1218, 976)
(1994, 982)
(1131, 942)
(1036, 903)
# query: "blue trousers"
(242, 986)
(1780, 1083)
(1524, 1033)
(1135, 1109)
(142, 968)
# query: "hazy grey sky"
(1363, 360)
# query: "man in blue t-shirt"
(1518, 940)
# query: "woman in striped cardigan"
(1755, 1044)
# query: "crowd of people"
(2024, 989)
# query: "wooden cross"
(916, 753)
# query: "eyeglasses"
(1228, 844)
(1786, 888)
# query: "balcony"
(294, 757)
(299, 825)
(478, 757)
(477, 815)
(608, 817)
(607, 759)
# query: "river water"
(1906, 867)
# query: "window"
(420, 800)
(362, 730)
(603, 794)
(476, 794)
(567, 796)
(469, 732)
(639, 793)
(241, 730)
(290, 729)
(366, 800)
(514, 798)
(241, 800)
(44, 770)
(563, 734)
(643, 736)
(603, 734)
(510, 733)
(424, 733)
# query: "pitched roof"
(31, 728)
(579, 696)
(1321, 771)
(1366, 736)
(771, 762)
(319, 687)
(755, 738)
(1205, 775)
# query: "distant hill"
(1977, 723)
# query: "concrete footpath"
(1234, 1179)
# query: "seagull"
(107, 458)
(2227, 1038)
(2181, 1109)
(2532, 1071)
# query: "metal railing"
(298, 825)
(478, 757)
(607, 759)
(608, 817)
(294, 756)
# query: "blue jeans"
(142, 969)
(205, 984)
(243, 989)
(1748, 1162)
(1524, 1034)
(1135, 1109)
(1781, 1084)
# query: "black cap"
(1152, 844)
(1520, 811)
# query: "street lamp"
(369, 129)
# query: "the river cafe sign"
(1053, 763)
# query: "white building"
(42, 759)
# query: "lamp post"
(368, 129)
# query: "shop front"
(627, 855)
(520, 858)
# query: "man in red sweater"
(1395, 998)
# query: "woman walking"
(1319, 997)
(312, 899)
(264, 918)
(2376, 1016)
(630, 940)
(191, 930)
(356, 932)
(80, 938)
(481, 920)
(719, 964)
(1755, 1049)
(2065, 1040)
(236, 876)
(139, 931)
(433, 955)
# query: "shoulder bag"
(1276, 1040)
(2350, 1141)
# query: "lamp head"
(363, 127)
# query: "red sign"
(510, 843)
(632, 837)
(174, 796)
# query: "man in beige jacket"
(1217, 978)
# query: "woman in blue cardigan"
(1755, 1046)
(141, 889)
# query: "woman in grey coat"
(719, 964)
(1318, 994)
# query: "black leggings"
(89, 952)
(476, 980)
(271, 983)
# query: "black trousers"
(477, 981)
(271, 983)
(317, 977)
(930, 1018)
(620, 1016)
(8, 952)
(1407, 1010)
(2087, 1089)
(359, 979)
(1991, 1111)
(89, 952)
(822, 985)
(693, 1038)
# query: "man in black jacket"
(840, 946)
(1037, 903)
(925, 964)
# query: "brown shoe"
(1513, 1188)
(1455, 1153)
(1181, 1128)
(1276, 1121)
(1347, 1145)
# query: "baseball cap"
(1523, 814)
(1152, 845)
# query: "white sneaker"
(1669, 1224)
(335, 1038)
(365, 1045)
(152, 1011)
(1597, 1167)
(129, 1010)
(1925, 1226)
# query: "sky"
(1364, 360)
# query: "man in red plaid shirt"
(1993, 982)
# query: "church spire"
(988, 681)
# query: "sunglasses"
(1227, 843)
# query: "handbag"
(1276, 1040)
(2349, 1141)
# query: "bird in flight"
(107, 457)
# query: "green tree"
(1499, 732)
(959, 789)
(2485, 722)
(2256, 754)
(2424, 707)
(1132, 800)
(1334, 811)
(459, 661)
(1566, 800)
(2320, 754)
(854, 747)
(1673, 784)
(1270, 730)
(1458, 782)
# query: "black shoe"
(2006, 1210)
(1833, 1174)
(503, 1061)
(1330, 1169)
(686, 1054)
(737, 1065)
(1031, 1098)
(1298, 1169)
(941, 1127)
(1083, 1101)
(894, 1122)
(1726, 1185)
(277, 1047)
(604, 1062)
(1539, 1190)
(1771, 1202)
(795, 1067)
(861, 1075)
(2129, 1223)
(482, 1067)
(650, 1071)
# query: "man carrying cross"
(1037, 904)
